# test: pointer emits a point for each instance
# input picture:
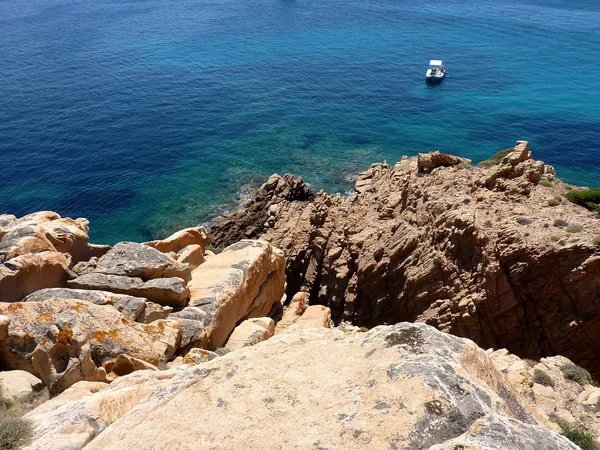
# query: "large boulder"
(404, 386)
(63, 341)
(28, 273)
(180, 240)
(426, 162)
(127, 305)
(45, 231)
(17, 384)
(138, 260)
(243, 281)
(251, 332)
(164, 291)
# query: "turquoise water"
(148, 115)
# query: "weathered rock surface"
(24, 274)
(154, 311)
(4, 323)
(64, 341)
(471, 251)
(180, 240)
(251, 332)
(426, 162)
(45, 231)
(141, 261)
(164, 291)
(406, 386)
(544, 387)
(243, 281)
(127, 305)
(17, 384)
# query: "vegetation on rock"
(578, 436)
(496, 159)
(589, 199)
(575, 373)
(541, 377)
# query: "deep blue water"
(148, 115)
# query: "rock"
(63, 341)
(243, 281)
(154, 311)
(28, 273)
(127, 305)
(251, 332)
(426, 162)
(406, 386)
(73, 418)
(164, 291)
(544, 398)
(194, 356)
(443, 248)
(180, 240)
(192, 255)
(4, 323)
(561, 398)
(316, 316)
(138, 260)
(17, 384)
(124, 365)
(45, 231)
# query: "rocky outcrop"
(405, 386)
(63, 341)
(37, 250)
(426, 162)
(244, 281)
(476, 252)
(127, 305)
(544, 386)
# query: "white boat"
(436, 71)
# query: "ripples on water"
(149, 115)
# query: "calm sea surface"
(148, 115)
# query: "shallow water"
(145, 116)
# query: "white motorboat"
(436, 71)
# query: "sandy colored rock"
(192, 255)
(251, 332)
(127, 305)
(45, 231)
(18, 383)
(138, 260)
(24, 274)
(154, 311)
(73, 418)
(472, 251)
(426, 162)
(243, 281)
(406, 386)
(316, 316)
(566, 399)
(164, 291)
(64, 341)
(181, 239)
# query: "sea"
(145, 116)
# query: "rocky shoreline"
(167, 344)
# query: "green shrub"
(541, 377)
(554, 201)
(576, 373)
(574, 228)
(222, 351)
(545, 182)
(496, 159)
(15, 432)
(530, 362)
(554, 238)
(597, 241)
(363, 329)
(568, 187)
(578, 436)
(589, 199)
